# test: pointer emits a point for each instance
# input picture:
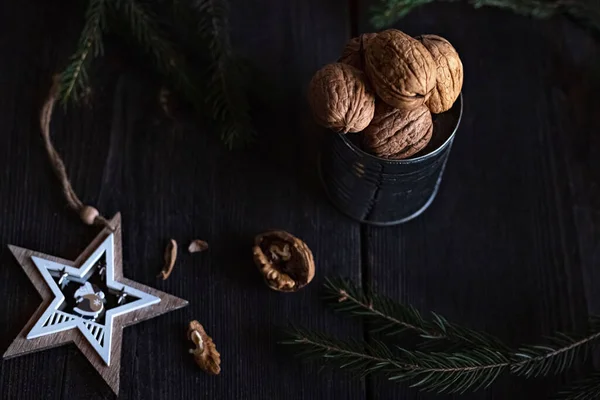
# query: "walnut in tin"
(449, 79)
(401, 69)
(353, 53)
(398, 134)
(341, 99)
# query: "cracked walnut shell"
(398, 134)
(401, 69)
(352, 54)
(341, 99)
(285, 261)
(449, 73)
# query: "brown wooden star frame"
(111, 373)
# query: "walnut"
(353, 54)
(449, 73)
(340, 98)
(285, 261)
(402, 71)
(205, 354)
(398, 134)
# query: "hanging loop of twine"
(88, 214)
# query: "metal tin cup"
(384, 192)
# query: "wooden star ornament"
(87, 302)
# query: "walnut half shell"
(285, 261)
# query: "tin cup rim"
(406, 161)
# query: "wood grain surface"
(511, 244)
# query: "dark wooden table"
(511, 244)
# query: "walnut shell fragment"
(398, 134)
(197, 246)
(205, 354)
(449, 73)
(285, 261)
(401, 69)
(170, 258)
(352, 54)
(340, 98)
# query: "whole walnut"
(352, 54)
(401, 69)
(341, 99)
(449, 73)
(398, 134)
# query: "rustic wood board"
(524, 157)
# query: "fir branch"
(225, 91)
(553, 358)
(587, 12)
(440, 372)
(476, 365)
(145, 29)
(587, 388)
(74, 77)
(349, 354)
(469, 370)
(393, 318)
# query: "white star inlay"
(98, 335)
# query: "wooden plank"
(579, 78)
(27, 207)
(181, 183)
(497, 250)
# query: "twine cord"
(88, 214)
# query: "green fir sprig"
(470, 360)
(146, 31)
(587, 12)
(587, 388)
(74, 78)
(213, 85)
(224, 95)
(389, 317)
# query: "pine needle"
(144, 28)
(74, 78)
(554, 357)
(393, 318)
(587, 12)
(226, 87)
(587, 388)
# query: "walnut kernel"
(205, 354)
(285, 261)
